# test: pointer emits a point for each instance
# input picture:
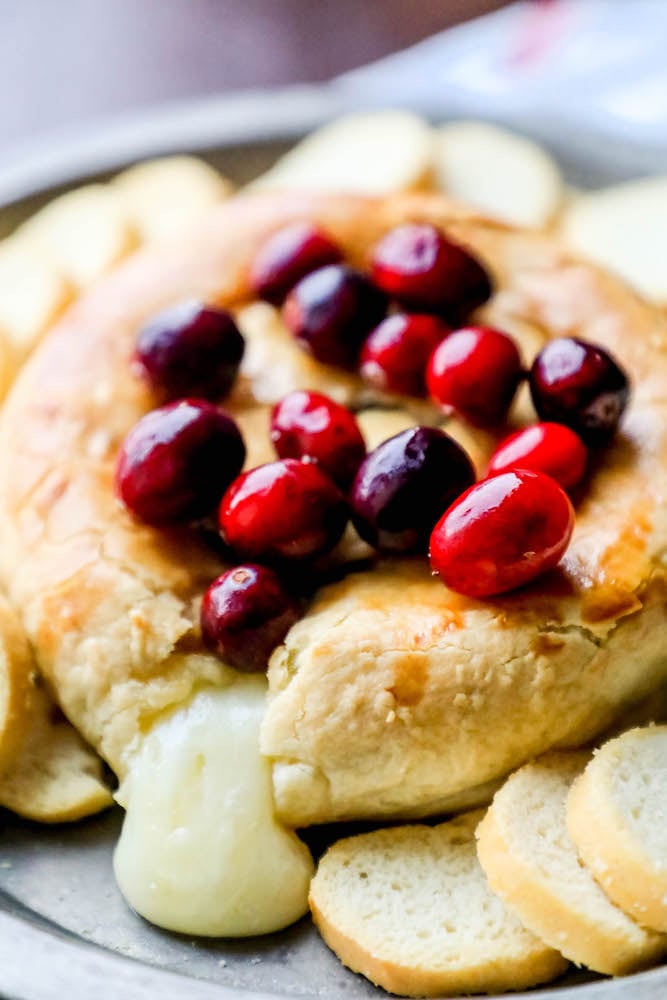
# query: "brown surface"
(67, 63)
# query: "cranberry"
(311, 425)
(245, 614)
(403, 487)
(395, 354)
(580, 385)
(177, 461)
(289, 255)
(502, 533)
(283, 510)
(190, 350)
(420, 267)
(331, 311)
(475, 371)
(550, 448)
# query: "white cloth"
(596, 69)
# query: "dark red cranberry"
(578, 384)
(403, 487)
(310, 425)
(502, 533)
(190, 350)
(550, 448)
(415, 264)
(331, 311)
(283, 510)
(289, 255)
(245, 614)
(177, 461)
(395, 354)
(475, 371)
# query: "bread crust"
(540, 896)
(609, 845)
(16, 701)
(518, 960)
(393, 696)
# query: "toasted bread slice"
(498, 171)
(410, 909)
(163, 196)
(83, 233)
(33, 294)
(624, 228)
(531, 862)
(16, 666)
(56, 777)
(617, 817)
(377, 153)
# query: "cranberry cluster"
(414, 493)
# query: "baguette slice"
(377, 153)
(498, 171)
(16, 666)
(617, 817)
(409, 907)
(532, 864)
(165, 195)
(56, 777)
(83, 233)
(33, 294)
(624, 228)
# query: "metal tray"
(65, 931)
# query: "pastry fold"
(393, 696)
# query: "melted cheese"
(201, 851)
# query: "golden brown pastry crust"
(392, 696)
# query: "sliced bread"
(532, 864)
(16, 667)
(56, 777)
(617, 817)
(409, 907)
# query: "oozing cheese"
(201, 851)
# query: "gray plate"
(65, 931)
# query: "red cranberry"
(331, 311)
(423, 270)
(580, 385)
(177, 461)
(283, 510)
(475, 371)
(190, 350)
(289, 255)
(502, 533)
(403, 487)
(395, 354)
(245, 614)
(311, 425)
(550, 448)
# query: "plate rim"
(38, 958)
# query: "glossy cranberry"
(396, 352)
(578, 384)
(245, 614)
(475, 371)
(331, 311)
(289, 255)
(311, 425)
(417, 265)
(283, 510)
(190, 350)
(550, 448)
(177, 461)
(502, 533)
(403, 487)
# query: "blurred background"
(65, 63)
